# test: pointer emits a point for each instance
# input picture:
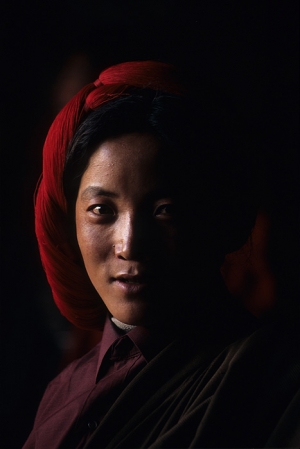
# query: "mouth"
(128, 279)
(131, 284)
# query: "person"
(141, 197)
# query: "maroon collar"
(148, 342)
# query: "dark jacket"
(191, 395)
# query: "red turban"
(72, 290)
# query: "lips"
(131, 284)
(132, 279)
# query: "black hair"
(140, 110)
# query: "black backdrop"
(246, 51)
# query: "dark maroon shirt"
(118, 359)
(193, 393)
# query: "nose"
(131, 237)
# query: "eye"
(165, 211)
(101, 209)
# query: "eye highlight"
(165, 211)
(101, 209)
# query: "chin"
(135, 315)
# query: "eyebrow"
(159, 193)
(93, 191)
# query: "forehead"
(132, 161)
(129, 149)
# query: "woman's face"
(127, 230)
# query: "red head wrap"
(72, 290)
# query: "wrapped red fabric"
(72, 290)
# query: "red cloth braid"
(72, 290)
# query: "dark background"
(242, 54)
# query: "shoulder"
(272, 343)
(268, 359)
(257, 385)
(72, 383)
(86, 364)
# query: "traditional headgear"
(72, 290)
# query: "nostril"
(120, 248)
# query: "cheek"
(94, 243)
(168, 255)
(169, 240)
